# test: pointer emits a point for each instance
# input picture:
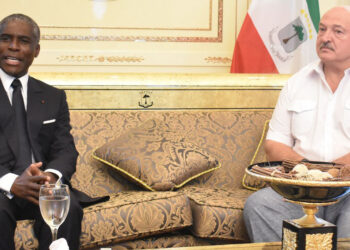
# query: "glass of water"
(54, 203)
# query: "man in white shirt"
(311, 121)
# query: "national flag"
(277, 36)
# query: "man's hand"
(35, 171)
(27, 185)
(52, 177)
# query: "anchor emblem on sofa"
(145, 103)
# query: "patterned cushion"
(131, 215)
(126, 216)
(218, 213)
(229, 136)
(24, 235)
(248, 181)
(170, 240)
(156, 157)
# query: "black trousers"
(15, 209)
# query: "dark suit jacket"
(49, 128)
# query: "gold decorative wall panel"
(184, 36)
(130, 21)
(131, 35)
(168, 91)
(197, 98)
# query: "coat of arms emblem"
(292, 35)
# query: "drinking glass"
(54, 203)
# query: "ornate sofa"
(222, 113)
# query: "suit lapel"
(7, 121)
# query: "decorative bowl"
(302, 190)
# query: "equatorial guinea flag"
(277, 36)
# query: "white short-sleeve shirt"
(312, 119)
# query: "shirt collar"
(7, 80)
(318, 68)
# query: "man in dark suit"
(52, 153)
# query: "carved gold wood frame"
(94, 91)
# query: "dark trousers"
(15, 209)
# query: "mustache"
(326, 45)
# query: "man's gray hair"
(24, 18)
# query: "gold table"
(342, 244)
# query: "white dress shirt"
(7, 180)
(312, 119)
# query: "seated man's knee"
(75, 210)
(6, 214)
(8, 219)
(255, 201)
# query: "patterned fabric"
(163, 241)
(131, 215)
(250, 182)
(24, 235)
(217, 213)
(156, 157)
(229, 136)
(126, 216)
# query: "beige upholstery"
(230, 136)
(217, 213)
(216, 198)
(223, 114)
(156, 157)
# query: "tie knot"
(16, 83)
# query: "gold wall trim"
(76, 80)
(218, 60)
(171, 99)
(100, 59)
(92, 91)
